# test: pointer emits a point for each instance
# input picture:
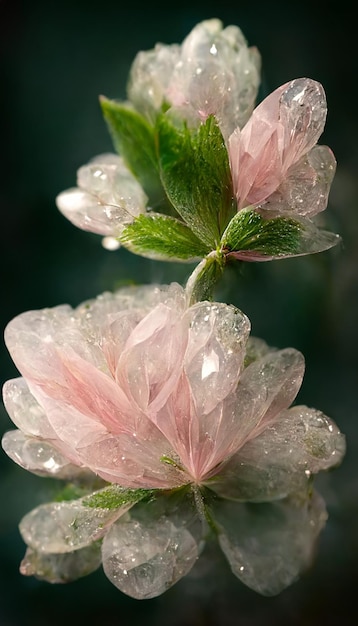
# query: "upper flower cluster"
(201, 171)
(213, 72)
(148, 393)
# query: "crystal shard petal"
(269, 545)
(145, 554)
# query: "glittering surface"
(295, 303)
(144, 391)
(106, 198)
(276, 152)
(213, 71)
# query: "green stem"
(201, 283)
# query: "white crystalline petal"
(212, 72)
(219, 74)
(303, 112)
(24, 410)
(34, 332)
(136, 301)
(265, 387)
(256, 348)
(305, 190)
(38, 456)
(62, 527)
(61, 568)
(88, 213)
(107, 197)
(281, 460)
(107, 178)
(149, 77)
(215, 352)
(303, 439)
(144, 559)
(269, 545)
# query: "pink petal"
(134, 461)
(71, 427)
(266, 387)
(285, 126)
(151, 361)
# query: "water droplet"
(110, 243)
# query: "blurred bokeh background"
(56, 58)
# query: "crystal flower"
(275, 161)
(212, 72)
(170, 420)
(107, 197)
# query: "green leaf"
(70, 492)
(249, 231)
(195, 173)
(134, 139)
(162, 237)
(114, 496)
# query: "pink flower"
(148, 394)
(275, 163)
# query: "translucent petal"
(202, 441)
(55, 355)
(284, 127)
(266, 387)
(135, 461)
(212, 71)
(218, 74)
(38, 456)
(215, 352)
(303, 112)
(192, 417)
(145, 555)
(107, 197)
(61, 527)
(61, 426)
(283, 457)
(24, 410)
(151, 361)
(37, 335)
(306, 188)
(97, 316)
(61, 568)
(256, 348)
(269, 545)
(149, 76)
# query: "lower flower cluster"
(166, 424)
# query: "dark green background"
(55, 59)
